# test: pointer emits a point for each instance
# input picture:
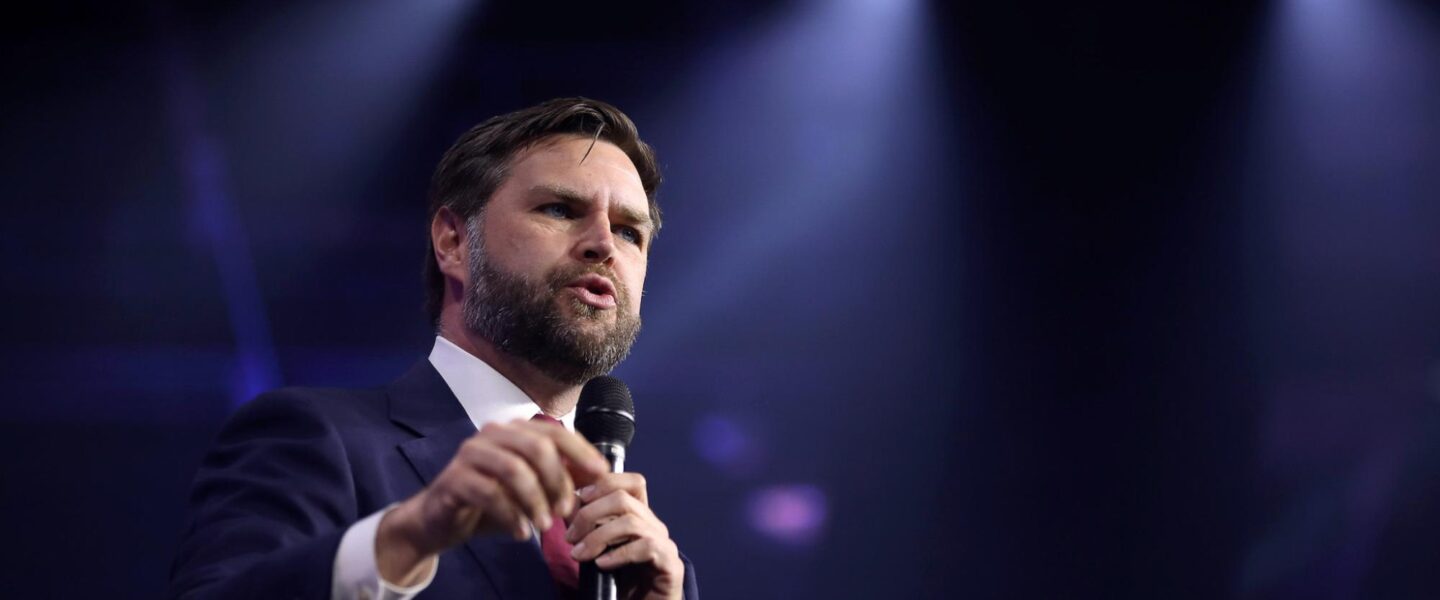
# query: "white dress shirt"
(487, 397)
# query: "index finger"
(631, 483)
(582, 460)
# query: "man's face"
(558, 265)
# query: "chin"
(584, 312)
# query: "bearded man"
(464, 478)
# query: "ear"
(452, 250)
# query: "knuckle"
(473, 492)
(475, 449)
(545, 447)
(626, 553)
(533, 445)
(583, 519)
(529, 490)
(485, 489)
(509, 468)
(526, 440)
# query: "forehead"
(597, 170)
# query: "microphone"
(605, 415)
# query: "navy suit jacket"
(294, 468)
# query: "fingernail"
(544, 523)
(577, 550)
(585, 491)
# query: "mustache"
(562, 276)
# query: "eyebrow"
(569, 196)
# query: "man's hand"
(616, 528)
(503, 478)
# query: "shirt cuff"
(356, 575)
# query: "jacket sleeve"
(268, 507)
(690, 586)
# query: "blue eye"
(559, 211)
(628, 234)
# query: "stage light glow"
(217, 229)
(1346, 74)
(792, 514)
(331, 83)
(1345, 99)
(726, 443)
(835, 97)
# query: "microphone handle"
(594, 583)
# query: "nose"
(597, 242)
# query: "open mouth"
(594, 290)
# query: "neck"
(554, 399)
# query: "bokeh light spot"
(725, 443)
(789, 514)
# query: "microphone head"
(606, 414)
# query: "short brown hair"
(475, 166)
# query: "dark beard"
(523, 319)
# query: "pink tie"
(563, 569)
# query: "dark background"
(985, 300)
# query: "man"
(458, 479)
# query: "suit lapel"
(421, 402)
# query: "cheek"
(636, 284)
(523, 251)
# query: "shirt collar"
(485, 394)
